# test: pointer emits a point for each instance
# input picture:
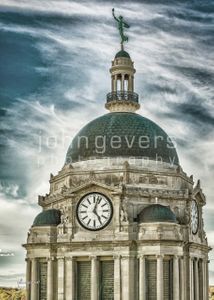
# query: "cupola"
(122, 97)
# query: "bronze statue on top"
(121, 25)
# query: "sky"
(54, 76)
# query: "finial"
(121, 24)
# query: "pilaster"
(61, 267)
(196, 279)
(117, 277)
(50, 278)
(28, 278)
(176, 287)
(94, 278)
(69, 278)
(142, 278)
(34, 279)
(159, 277)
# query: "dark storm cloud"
(193, 112)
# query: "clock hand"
(98, 217)
(95, 207)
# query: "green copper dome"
(157, 213)
(48, 217)
(122, 134)
(122, 53)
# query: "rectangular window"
(42, 280)
(151, 279)
(84, 280)
(107, 280)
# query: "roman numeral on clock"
(99, 199)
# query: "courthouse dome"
(122, 134)
(156, 213)
(48, 217)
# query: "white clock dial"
(94, 211)
(194, 217)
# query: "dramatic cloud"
(54, 79)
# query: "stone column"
(69, 278)
(60, 263)
(176, 287)
(159, 277)
(115, 83)
(122, 82)
(204, 279)
(191, 279)
(129, 83)
(207, 280)
(50, 275)
(127, 277)
(117, 278)
(34, 280)
(183, 279)
(94, 279)
(142, 278)
(28, 278)
(196, 277)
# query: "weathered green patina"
(137, 137)
(121, 24)
(122, 53)
(48, 217)
(157, 213)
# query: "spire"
(122, 96)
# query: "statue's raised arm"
(114, 15)
(121, 25)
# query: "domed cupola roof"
(122, 134)
(122, 53)
(157, 213)
(49, 217)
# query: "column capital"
(126, 256)
(60, 257)
(34, 259)
(176, 257)
(116, 256)
(93, 257)
(51, 258)
(160, 256)
(69, 258)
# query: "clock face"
(94, 211)
(194, 217)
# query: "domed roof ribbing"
(156, 213)
(48, 217)
(135, 136)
